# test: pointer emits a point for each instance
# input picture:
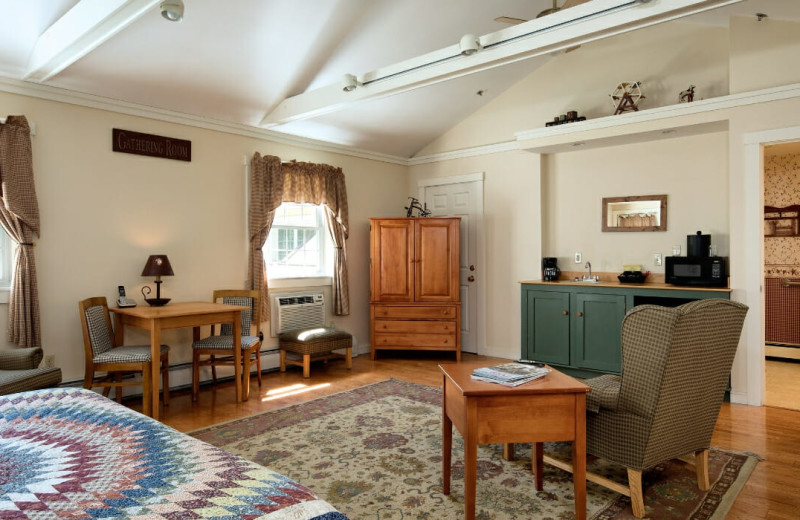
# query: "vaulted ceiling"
(280, 64)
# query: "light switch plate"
(656, 258)
(578, 257)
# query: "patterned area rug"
(375, 454)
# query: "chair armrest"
(604, 394)
(20, 358)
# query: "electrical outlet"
(50, 361)
(578, 257)
(656, 258)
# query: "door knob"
(471, 279)
(472, 268)
(564, 312)
(580, 314)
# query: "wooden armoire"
(415, 301)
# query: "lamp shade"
(157, 265)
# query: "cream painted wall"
(103, 213)
(691, 171)
(667, 58)
(511, 230)
(763, 54)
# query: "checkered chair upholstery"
(676, 364)
(217, 349)
(104, 356)
(19, 371)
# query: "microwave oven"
(706, 271)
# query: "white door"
(462, 196)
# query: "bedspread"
(72, 453)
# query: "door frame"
(479, 177)
(749, 368)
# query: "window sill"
(4, 293)
(283, 283)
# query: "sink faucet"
(589, 267)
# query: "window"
(298, 245)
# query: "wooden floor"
(772, 492)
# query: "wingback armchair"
(19, 371)
(675, 368)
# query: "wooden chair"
(102, 354)
(219, 347)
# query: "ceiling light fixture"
(172, 10)
(349, 82)
(469, 44)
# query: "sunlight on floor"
(286, 391)
(782, 384)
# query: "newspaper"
(509, 374)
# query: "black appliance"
(550, 270)
(698, 244)
(703, 271)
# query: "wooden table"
(552, 408)
(179, 315)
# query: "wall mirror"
(635, 213)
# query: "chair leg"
(147, 386)
(165, 381)
(283, 360)
(637, 497)
(118, 392)
(348, 358)
(195, 375)
(245, 376)
(213, 369)
(258, 364)
(306, 365)
(701, 466)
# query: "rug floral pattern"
(375, 453)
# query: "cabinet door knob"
(472, 268)
(471, 279)
(565, 313)
(580, 314)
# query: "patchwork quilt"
(72, 453)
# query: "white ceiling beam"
(566, 28)
(88, 24)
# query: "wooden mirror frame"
(658, 200)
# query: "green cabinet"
(596, 328)
(546, 323)
(577, 328)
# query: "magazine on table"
(510, 374)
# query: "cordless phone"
(122, 300)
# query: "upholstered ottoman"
(315, 345)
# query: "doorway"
(462, 196)
(782, 275)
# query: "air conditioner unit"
(297, 311)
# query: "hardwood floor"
(772, 492)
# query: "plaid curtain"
(272, 183)
(19, 216)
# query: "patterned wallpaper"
(782, 188)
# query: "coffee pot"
(550, 270)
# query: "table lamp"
(158, 266)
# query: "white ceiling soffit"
(88, 24)
(566, 28)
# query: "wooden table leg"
(447, 442)
(155, 355)
(537, 464)
(508, 451)
(579, 457)
(242, 392)
(470, 459)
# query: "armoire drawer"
(412, 340)
(416, 312)
(415, 326)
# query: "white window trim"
(307, 281)
(7, 247)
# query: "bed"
(72, 453)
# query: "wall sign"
(137, 143)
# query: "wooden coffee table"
(552, 408)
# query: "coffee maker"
(550, 270)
